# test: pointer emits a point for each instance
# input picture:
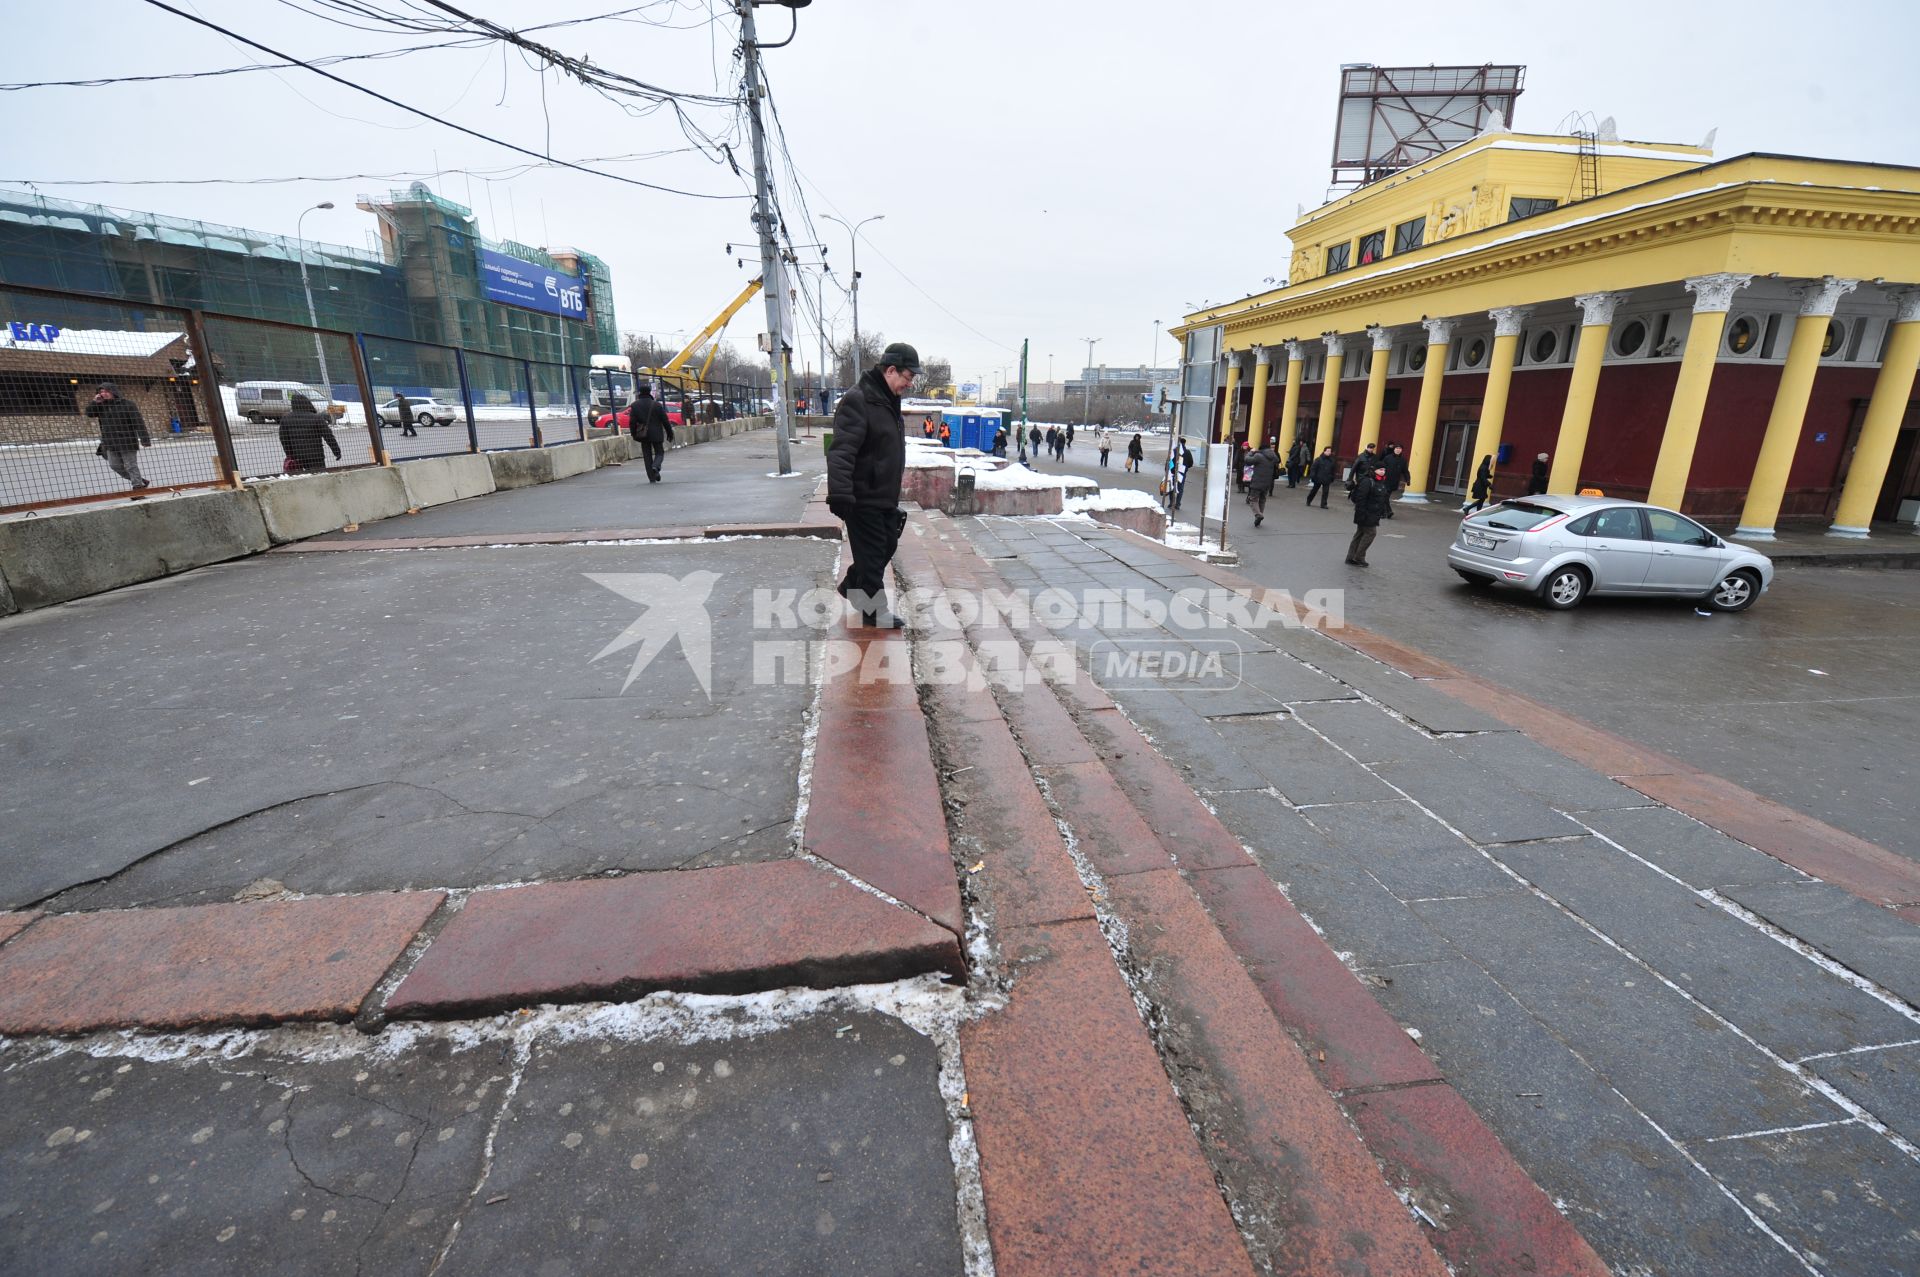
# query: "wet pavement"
(1657, 1054)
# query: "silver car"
(1565, 548)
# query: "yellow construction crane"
(674, 371)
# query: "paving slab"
(1550, 776)
(1188, 742)
(821, 1148)
(261, 962)
(1286, 678)
(1886, 1083)
(1841, 1194)
(1361, 918)
(369, 722)
(1775, 995)
(1088, 1164)
(1367, 732)
(1633, 1194)
(1696, 854)
(1686, 1071)
(264, 1164)
(730, 930)
(1413, 855)
(1478, 801)
(1299, 763)
(1278, 836)
(1873, 941)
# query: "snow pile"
(1112, 499)
(1021, 479)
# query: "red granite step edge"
(804, 528)
(1866, 869)
(1277, 1134)
(256, 963)
(12, 924)
(738, 929)
(1087, 1163)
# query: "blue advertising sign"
(517, 283)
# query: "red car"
(620, 418)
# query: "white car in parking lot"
(1565, 548)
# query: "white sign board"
(1219, 462)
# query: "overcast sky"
(1047, 169)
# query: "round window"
(1742, 334)
(1544, 346)
(1476, 351)
(1417, 358)
(1835, 340)
(1630, 338)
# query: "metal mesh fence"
(97, 400)
(433, 419)
(292, 398)
(562, 416)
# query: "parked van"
(260, 401)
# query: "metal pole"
(466, 399)
(204, 372)
(357, 348)
(533, 411)
(1086, 383)
(763, 222)
(313, 321)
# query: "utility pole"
(1086, 382)
(770, 265)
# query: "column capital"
(1715, 292)
(1596, 309)
(1823, 296)
(1231, 356)
(1296, 351)
(1439, 331)
(1262, 356)
(1382, 337)
(1336, 344)
(1906, 304)
(1509, 320)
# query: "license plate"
(1478, 541)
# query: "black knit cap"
(902, 356)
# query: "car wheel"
(1736, 591)
(255, 418)
(425, 419)
(1565, 587)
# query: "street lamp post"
(853, 242)
(313, 320)
(1156, 345)
(1086, 383)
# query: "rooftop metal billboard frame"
(1393, 117)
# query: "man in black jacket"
(864, 469)
(1266, 468)
(647, 423)
(1320, 476)
(1372, 502)
(123, 432)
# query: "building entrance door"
(1453, 457)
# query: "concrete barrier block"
(570, 459)
(71, 554)
(7, 606)
(608, 450)
(521, 468)
(308, 505)
(432, 481)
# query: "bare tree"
(871, 344)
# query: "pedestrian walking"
(1363, 465)
(1372, 498)
(1179, 465)
(405, 410)
(304, 437)
(1106, 446)
(1265, 464)
(1396, 463)
(647, 423)
(1537, 481)
(1482, 486)
(1320, 476)
(1000, 442)
(1066, 442)
(123, 432)
(1136, 453)
(864, 469)
(1033, 440)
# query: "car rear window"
(1518, 516)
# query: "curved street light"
(299, 233)
(853, 241)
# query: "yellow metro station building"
(1736, 338)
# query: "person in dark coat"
(405, 410)
(123, 432)
(1482, 486)
(1396, 463)
(1136, 453)
(1297, 461)
(647, 423)
(1033, 439)
(1265, 463)
(1320, 476)
(305, 436)
(864, 470)
(1537, 481)
(1372, 499)
(1363, 465)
